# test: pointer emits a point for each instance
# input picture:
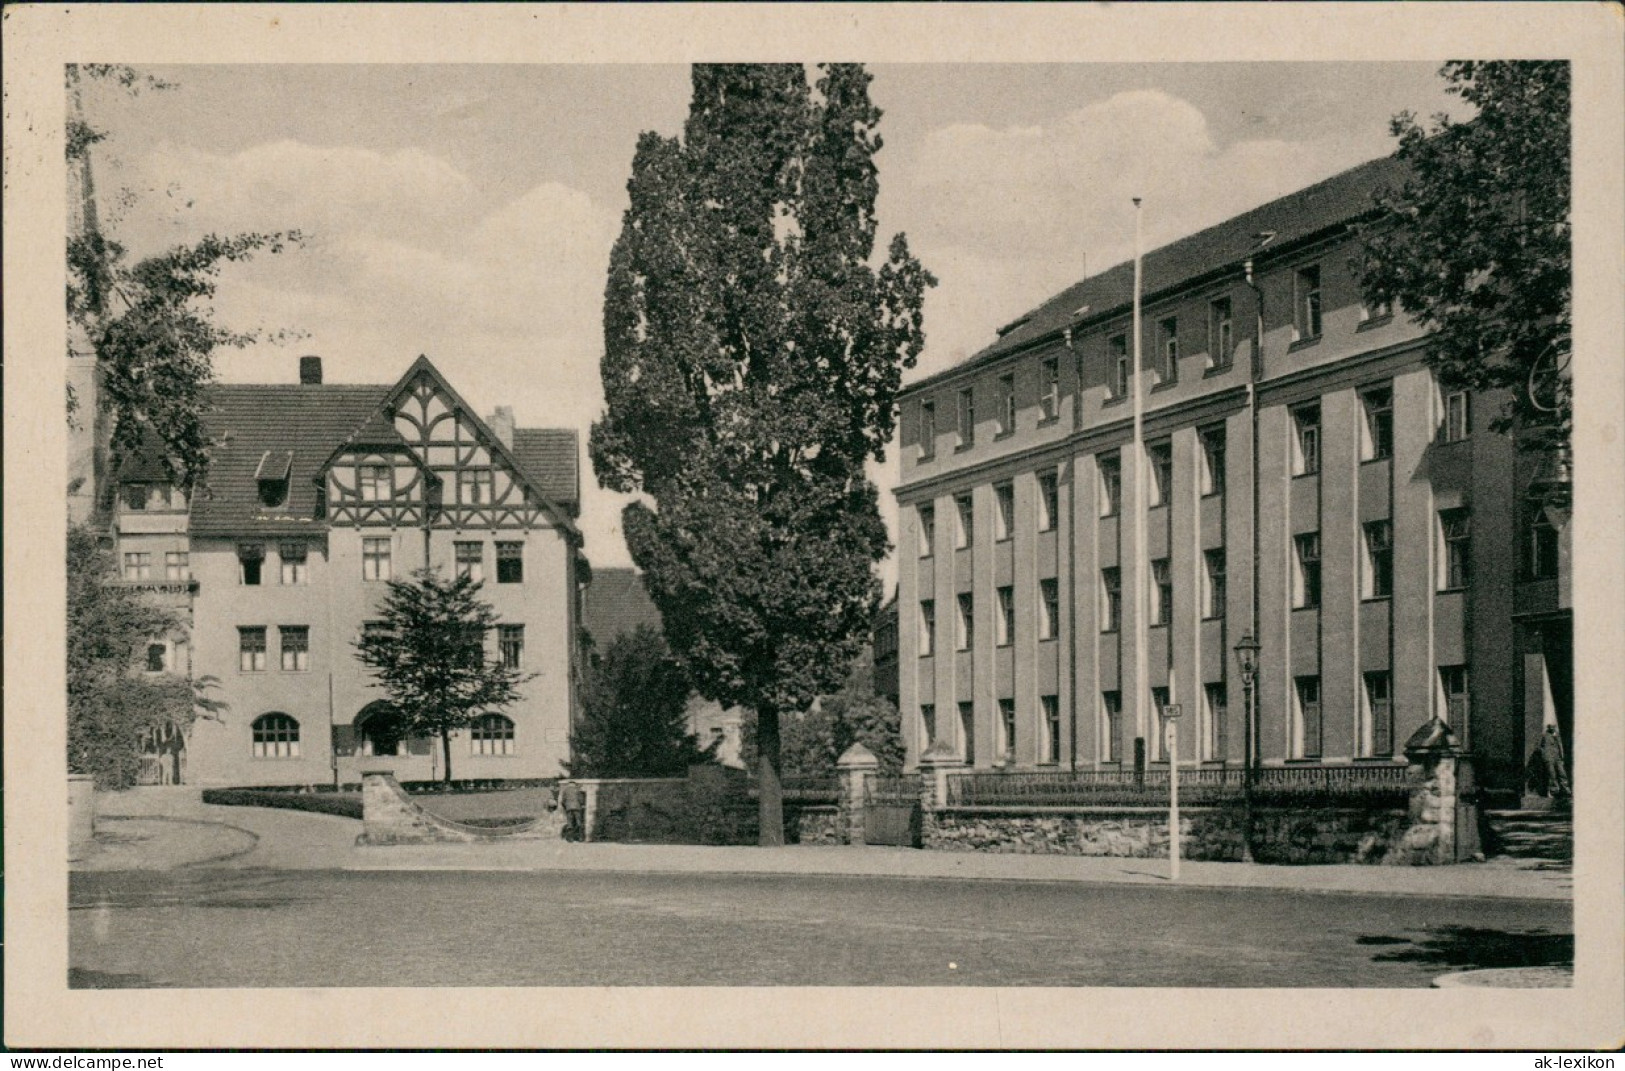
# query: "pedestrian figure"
(1551, 757)
(574, 802)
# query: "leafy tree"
(114, 710)
(428, 653)
(811, 741)
(634, 721)
(1476, 243)
(752, 359)
(147, 325)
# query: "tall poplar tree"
(752, 356)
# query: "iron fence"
(1345, 786)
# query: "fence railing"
(1353, 786)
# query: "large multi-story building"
(1304, 479)
(317, 495)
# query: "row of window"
(377, 561)
(1374, 729)
(138, 565)
(293, 643)
(276, 736)
(376, 483)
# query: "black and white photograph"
(967, 544)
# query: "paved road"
(213, 928)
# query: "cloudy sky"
(467, 212)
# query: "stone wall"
(710, 806)
(1206, 833)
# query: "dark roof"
(616, 602)
(1296, 216)
(548, 458)
(244, 421)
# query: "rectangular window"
(1457, 416)
(967, 731)
(137, 565)
(1162, 592)
(1111, 599)
(510, 563)
(375, 483)
(250, 562)
(1213, 460)
(1051, 705)
(375, 559)
(967, 418)
(1117, 346)
(928, 627)
(928, 430)
(1168, 348)
(1453, 683)
(966, 534)
(1049, 609)
(1004, 514)
(470, 560)
(1378, 441)
(295, 643)
(511, 645)
(1379, 560)
(1005, 633)
(294, 559)
(1007, 730)
(1377, 734)
(1048, 500)
(1306, 440)
(1007, 404)
(1455, 527)
(928, 528)
(928, 725)
(1542, 545)
(1216, 738)
(1049, 398)
(1111, 483)
(1111, 726)
(1221, 334)
(177, 565)
(965, 622)
(1306, 577)
(1161, 456)
(1307, 302)
(157, 657)
(1213, 593)
(476, 485)
(251, 650)
(1308, 735)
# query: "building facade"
(1301, 477)
(317, 495)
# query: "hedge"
(345, 806)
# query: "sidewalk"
(175, 828)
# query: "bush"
(344, 805)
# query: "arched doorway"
(380, 730)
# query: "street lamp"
(1247, 662)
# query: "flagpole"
(1141, 624)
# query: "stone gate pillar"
(935, 766)
(1442, 828)
(855, 767)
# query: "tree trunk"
(445, 748)
(770, 793)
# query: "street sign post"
(1170, 715)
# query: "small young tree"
(113, 710)
(634, 721)
(429, 656)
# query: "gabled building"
(317, 495)
(1303, 478)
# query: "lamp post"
(1247, 661)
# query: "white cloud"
(1012, 213)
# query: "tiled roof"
(548, 458)
(1296, 216)
(244, 421)
(616, 602)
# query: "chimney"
(501, 422)
(310, 370)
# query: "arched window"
(276, 736)
(492, 734)
(380, 731)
